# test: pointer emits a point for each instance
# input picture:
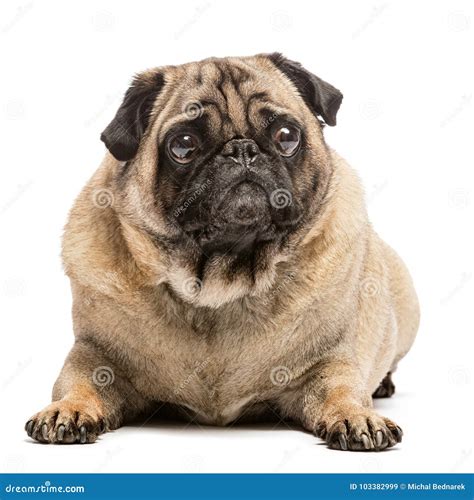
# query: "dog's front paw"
(358, 430)
(66, 422)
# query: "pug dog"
(222, 264)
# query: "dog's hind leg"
(386, 389)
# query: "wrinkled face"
(226, 169)
(231, 184)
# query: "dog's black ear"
(123, 134)
(321, 97)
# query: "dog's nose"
(242, 151)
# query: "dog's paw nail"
(398, 433)
(343, 442)
(83, 434)
(29, 427)
(60, 433)
(44, 431)
(366, 441)
(101, 426)
(379, 438)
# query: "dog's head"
(223, 164)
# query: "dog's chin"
(233, 246)
(236, 239)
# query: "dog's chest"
(217, 384)
(220, 373)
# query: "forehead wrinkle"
(210, 76)
(257, 107)
(183, 119)
(235, 105)
(229, 93)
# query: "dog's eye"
(183, 148)
(287, 140)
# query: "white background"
(406, 124)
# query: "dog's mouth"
(243, 217)
(245, 206)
